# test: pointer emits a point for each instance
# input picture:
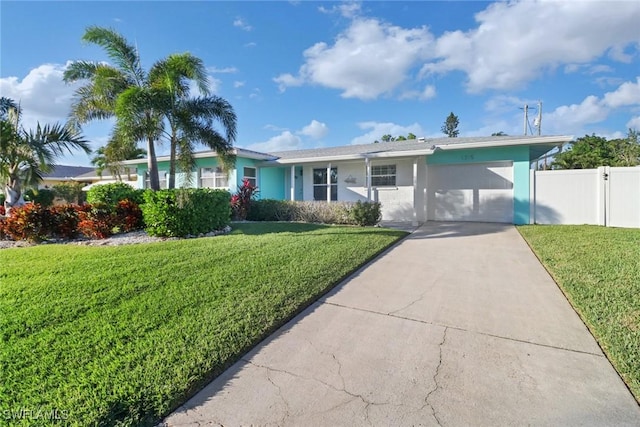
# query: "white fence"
(605, 196)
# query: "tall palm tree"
(153, 105)
(191, 120)
(26, 154)
(110, 87)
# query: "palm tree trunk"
(172, 163)
(152, 165)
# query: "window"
(162, 176)
(213, 178)
(251, 175)
(383, 176)
(320, 184)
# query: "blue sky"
(314, 74)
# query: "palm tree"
(112, 87)
(191, 120)
(110, 157)
(155, 104)
(26, 154)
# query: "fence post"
(601, 191)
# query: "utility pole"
(539, 120)
(526, 118)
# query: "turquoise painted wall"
(520, 157)
(271, 183)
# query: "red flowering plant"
(241, 201)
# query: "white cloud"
(274, 128)
(348, 10)
(287, 80)
(251, 44)
(516, 42)
(634, 123)
(225, 70)
(238, 84)
(315, 130)
(242, 24)
(214, 86)
(427, 93)
(600, 68)
(285, 141)
(627, 94)
(42, 94)
(369, 59)
(375, 130)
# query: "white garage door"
(471, 192)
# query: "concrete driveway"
(459, 324)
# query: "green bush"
(70, 192)
(42, 196)
(358, 213)
(111, 194)
(271, 210)
(366, 213)
(183, 212)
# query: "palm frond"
(124, 55)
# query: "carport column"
(368, 177)
(293, 182)
(415, 192)
(329, 183)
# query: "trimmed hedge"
(43, 196)
(111, 194)
(184, 212)
(350, 213)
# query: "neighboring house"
(91, 178)
(60, 174)
(441, 179)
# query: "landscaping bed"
(598, 269)
(123, 335)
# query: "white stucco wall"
(397, 202)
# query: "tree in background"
(411, 136)
(591, 151)
(501, 133)
(70, 192)
(450, 126)
(26, 154)
(111, 156)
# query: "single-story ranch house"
(443, 179)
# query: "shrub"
(241, 201)
(183, 212)
(65, 221)
(2, 199)
(96, 221)
(322, 212)
(366, 213)
(31, 222)
(358, 213)
(43, 197)
(3, 211)
(111, 194)
(70, 192)
(128, 216)
(271, 210)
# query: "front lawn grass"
(598, 269)
(123, 335)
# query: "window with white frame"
(213, 178)
(251, 174)
(383, 175)
(162, 176)
(320, 184)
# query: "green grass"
(123, 335)
(598, 269)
